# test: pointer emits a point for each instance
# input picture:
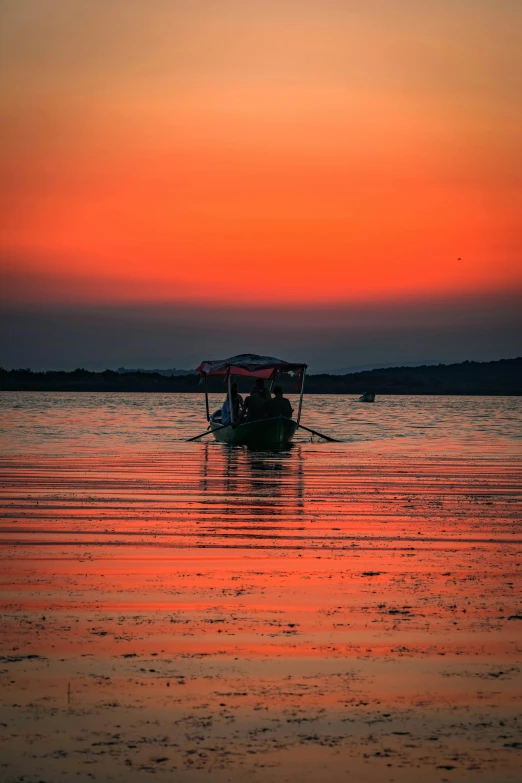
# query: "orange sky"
(307, 150)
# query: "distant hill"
(379, 366)
(502, 377)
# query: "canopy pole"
(206, 395)
(273, 381)
(230, 399)
(301, 397)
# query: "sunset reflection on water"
(265, 613)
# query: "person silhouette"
(279, 405)
(237, 406)
(255, 406)
(263, 392)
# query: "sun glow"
(311, 152)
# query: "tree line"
(503, 377)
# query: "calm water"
(98, 422)
(338, 611)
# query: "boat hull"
(263, 434)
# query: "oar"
(207, 432)
(314, 432)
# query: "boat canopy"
(250, 365)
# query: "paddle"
(314, 432)
(207, 432)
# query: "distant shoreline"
(497, 378)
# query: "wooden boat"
(272, 432)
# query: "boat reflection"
(255, 484)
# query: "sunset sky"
(205, 168)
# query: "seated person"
(279, 405)
(225, 412)
(255, 406)
(237, 406)
(237, 403)
(263, 392)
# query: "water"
(204, 613)
(101, 423)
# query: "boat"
(367, 397)
(272, 432)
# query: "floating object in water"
(367, 397)
(270, 432)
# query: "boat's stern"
(274, 432)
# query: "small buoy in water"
(367, 397)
